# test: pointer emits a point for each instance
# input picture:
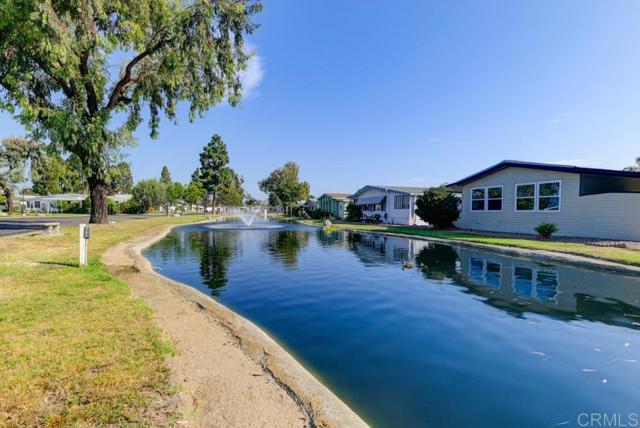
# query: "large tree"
(120, 178)
(213, 160)
(231, 192)
(15, 153)
(165, 175)
(57, 79)
(53, 174)
(149, 194)
(284, 185)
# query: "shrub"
(545, 230)
(131, 207)
(354, 213)
(438, 207)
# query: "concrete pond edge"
(321, 405)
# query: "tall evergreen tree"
(56, 75)
(213, 160)
(165, 175)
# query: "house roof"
(456, 186)
(337, 196)
(399, 189)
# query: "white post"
(265, 213)
(83, 246)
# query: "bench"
(50, 228)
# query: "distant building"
(53, 203)
(390, 204)
(334, 204)
(515, 197)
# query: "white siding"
(394, 216)
(609, 216)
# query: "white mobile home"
(515, 197)
(392, 204)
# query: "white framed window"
(541, 196)
(477, 199)
(549, 196)
(487, 198)
(526, 197)
(401, 202)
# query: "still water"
(465, 339)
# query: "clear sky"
(421, 92)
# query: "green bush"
(131, 207)
(354, 213)
(545, 230)
(438, 207)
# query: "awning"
(371, 200)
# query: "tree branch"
(92, 99)
(127, 79)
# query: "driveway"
(18, 225)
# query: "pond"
(465, 339)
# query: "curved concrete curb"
(322, 406)
(542, 255)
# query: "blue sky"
(421, 92)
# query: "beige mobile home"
(515, 197)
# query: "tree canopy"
(213, 160)
(284, 186)
(438, 207)
(57, 79)
(165, 175)
(149, 194)
(15, 153)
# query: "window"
(543, 196)
(486, 198)
(401, 202)
(525, 197)
(494, 198)
(549, 196)
(477, 199)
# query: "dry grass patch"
(75, 347)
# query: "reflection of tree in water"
(437, 261)
(171, 247)
(215, 250)
(285, 245)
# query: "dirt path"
(229, 372)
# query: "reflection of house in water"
(512, 284)
(519, 285)
(530, 282)
(373, 249)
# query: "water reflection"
(285, 246)
(215, 250)
(512, 284)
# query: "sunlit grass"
(75, 347)
(619, 255)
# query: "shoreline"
(318, 406)
(591, 263)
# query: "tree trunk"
(98, 193)
(9, 195)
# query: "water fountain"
(247, 216)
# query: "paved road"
(17, 225)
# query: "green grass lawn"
(619, 255)
(75, 348)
